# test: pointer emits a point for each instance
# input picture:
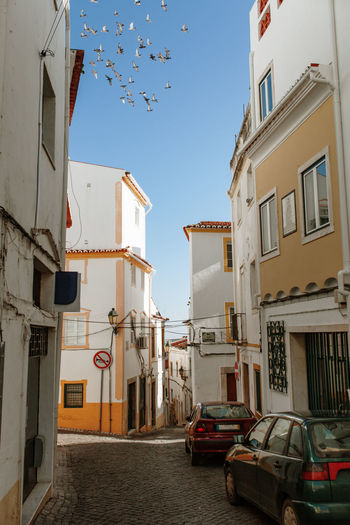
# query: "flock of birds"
(142, 44)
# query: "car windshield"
(224, 412)
(331, 439)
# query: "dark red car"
(211, 427)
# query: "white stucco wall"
(290, 43)
(211, 288)
(24, 28)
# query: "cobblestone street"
(146, 480)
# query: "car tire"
(187, 449)
(195, 457)
(289, 515)
(231, 492)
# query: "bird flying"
(184, 28)
(164, 5)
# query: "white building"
(107, 245)
(293, 128)
(34, 84)
(178, 381)
(211, 308)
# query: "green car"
(295, 466)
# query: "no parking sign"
(102, 359)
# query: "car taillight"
(315, 472)
(200, 427)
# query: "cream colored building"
(290, 155)
(107, 245)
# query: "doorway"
(132, 406)
(142, 402)
(231, 387)
(32, 426)
(153, 404)
(246, 388)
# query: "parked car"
(295, 467)
(211, 427)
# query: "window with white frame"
(75, 331)
(239, 207)
(142, 279)
(265, 95)
(133, 274)
(315, 196)
(268, 225)
(48, 116)
(137, 215)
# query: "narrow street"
(143, 479)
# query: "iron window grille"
(73, 395)
(38, 344)
(277, 356)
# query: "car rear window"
(224, 412)
(331, 439)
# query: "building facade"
(211, 308)
(107, 245)
(292, 148)
(178, 381)
(35, 107)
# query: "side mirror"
(238, 439)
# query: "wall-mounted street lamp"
(113, 320)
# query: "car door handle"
(277, 464)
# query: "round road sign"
(102, 359)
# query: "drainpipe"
(40, 137)
(343, 274)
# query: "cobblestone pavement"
(143, 479)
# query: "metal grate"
(277, 356)
(74, 395)
(328, 371)
(38, 344)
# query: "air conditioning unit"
(142, 342)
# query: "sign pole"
(101, 398)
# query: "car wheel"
(289, 514)
(195, 457)
(231, 491)
(187, 448)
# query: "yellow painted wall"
(318, 260)
(88, 417)
(10, 506)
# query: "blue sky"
(180, 152)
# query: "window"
(265, 22)
(253, 284)
(315, 196)
(171, 368)
(268, 225)
(75, 331)
(153, 342)
(295, 447)
(39, 341)
(142, 279)
(257, 436)
(229, 311)
(137, 215)
(132, 329)
(265, 93)
(257, 380)
(133, 275)
(239, 207)
(48, 117)
(262, 5)
(73, 395)
(177, 369)
(228, 260)
(171, 395)
(278, 437)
